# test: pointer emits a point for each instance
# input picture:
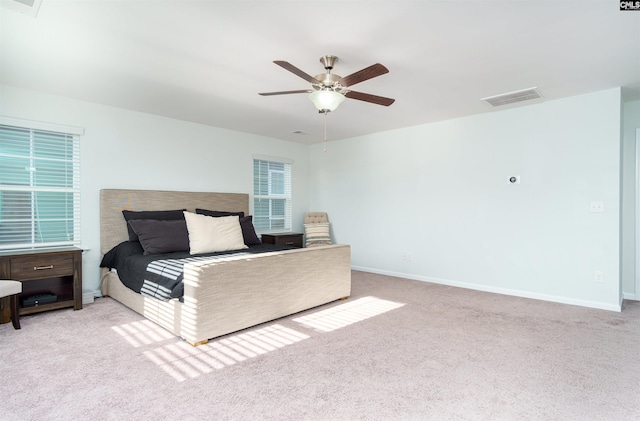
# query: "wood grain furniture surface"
(57, 271)
(224, 296)
(283, 239)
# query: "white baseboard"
(87, 297)
(496, 290)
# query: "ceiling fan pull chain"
(325, 131)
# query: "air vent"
(26, 7)
(511, 97)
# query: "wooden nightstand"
(57, 271)
(284, 239)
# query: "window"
(39, 185)
(271, 195)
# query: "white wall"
(630, 122)
(126, 149)
(440, 193)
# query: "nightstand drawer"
(284, 239)
(38, 267)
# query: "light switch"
(596, 206)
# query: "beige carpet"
(397, 349)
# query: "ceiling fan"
(328, 90)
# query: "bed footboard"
(225, 296)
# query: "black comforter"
(160, 275)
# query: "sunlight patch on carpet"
(183, 361)
(143, 332)
(346, 314)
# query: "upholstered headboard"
(113, 228)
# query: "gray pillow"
(161, 236)
(163, 215)
(218, 214)
(249, 231)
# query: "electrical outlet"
(598, 277)
(406, 255)
(596, 206)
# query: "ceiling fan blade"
(293, 69)
(365, 74)
(306, 91)
(375, 99)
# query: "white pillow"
(208, 234)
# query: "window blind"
(39, 187)
(271, 195)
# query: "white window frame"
(270, 195)
(33, 188)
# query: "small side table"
(57, 271)
(283, 239)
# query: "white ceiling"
(206, 61)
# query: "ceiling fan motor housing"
(328, 80)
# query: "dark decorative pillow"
(120, 252)
(217, 214)
(158, 237)
(165, 215)
(248, 231)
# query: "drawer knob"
(42, 267)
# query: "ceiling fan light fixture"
(326, 99)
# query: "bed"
(228, 294)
